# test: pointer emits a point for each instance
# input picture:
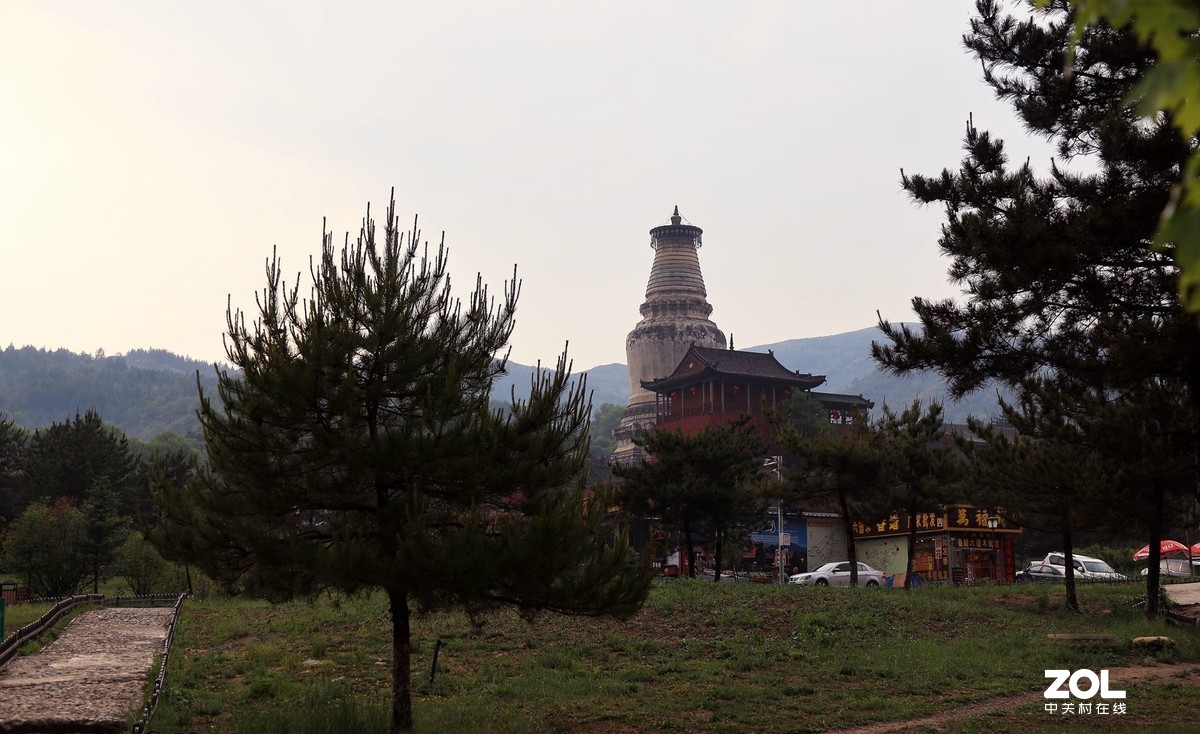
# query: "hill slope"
(845, 360)
(147, 392)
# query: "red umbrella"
(1166, 548)
(1196, 549)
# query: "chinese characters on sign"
(956, 517)
(1085, 708)
(897, 524)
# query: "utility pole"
(776, 462)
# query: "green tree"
(43, 544)
(924, 469)
(697, 483)
(104, 532)
(1058, 275)
(1168, 90)
(1045, 478)
(604, 420)
(1056, 270)
(803, 415)
(141, 566)
(65, 459)
(1146, 435)
(356, 450)
(13, 440)
(849, 470)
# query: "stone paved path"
(89, 678)
(1183, 594)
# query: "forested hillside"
(144, 392)
(148, 391)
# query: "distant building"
(681, 377)
(675, 316)
(713, 386)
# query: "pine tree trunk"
(851, 548)
(691, 549)
(401, 662)
(1153, 573)
(717, 555)
(1069, 568)
(912, 546)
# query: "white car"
(838, 574)
(1086, 567)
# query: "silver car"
(838, 574)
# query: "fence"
(12, 643)
(148, 710)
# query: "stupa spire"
(675, 315)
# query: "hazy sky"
(153, 153)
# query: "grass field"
(699, 658)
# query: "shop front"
(960, 545)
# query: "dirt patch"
(1151, 671)
(1191, 611)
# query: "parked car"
(1176, 567)
(1040, 572)
(838, 574)
(1086, 568)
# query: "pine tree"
(1057, 270)
(923, 468)
(697, 483)
(13, 440)
(104, 532)
(356, 449)
(65, 459)
(1059, 277)
(849, 469)
(1046, 478)
(1147, 437)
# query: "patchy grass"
(17, 616)
(699, 657)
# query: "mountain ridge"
(844, 359)
(148, 391)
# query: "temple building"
(675, 316)
(713, 386)
(681, 377)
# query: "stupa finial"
(675, 218)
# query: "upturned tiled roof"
(749, 364)
(734, 364)
(834, 398)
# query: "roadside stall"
(961, 544)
